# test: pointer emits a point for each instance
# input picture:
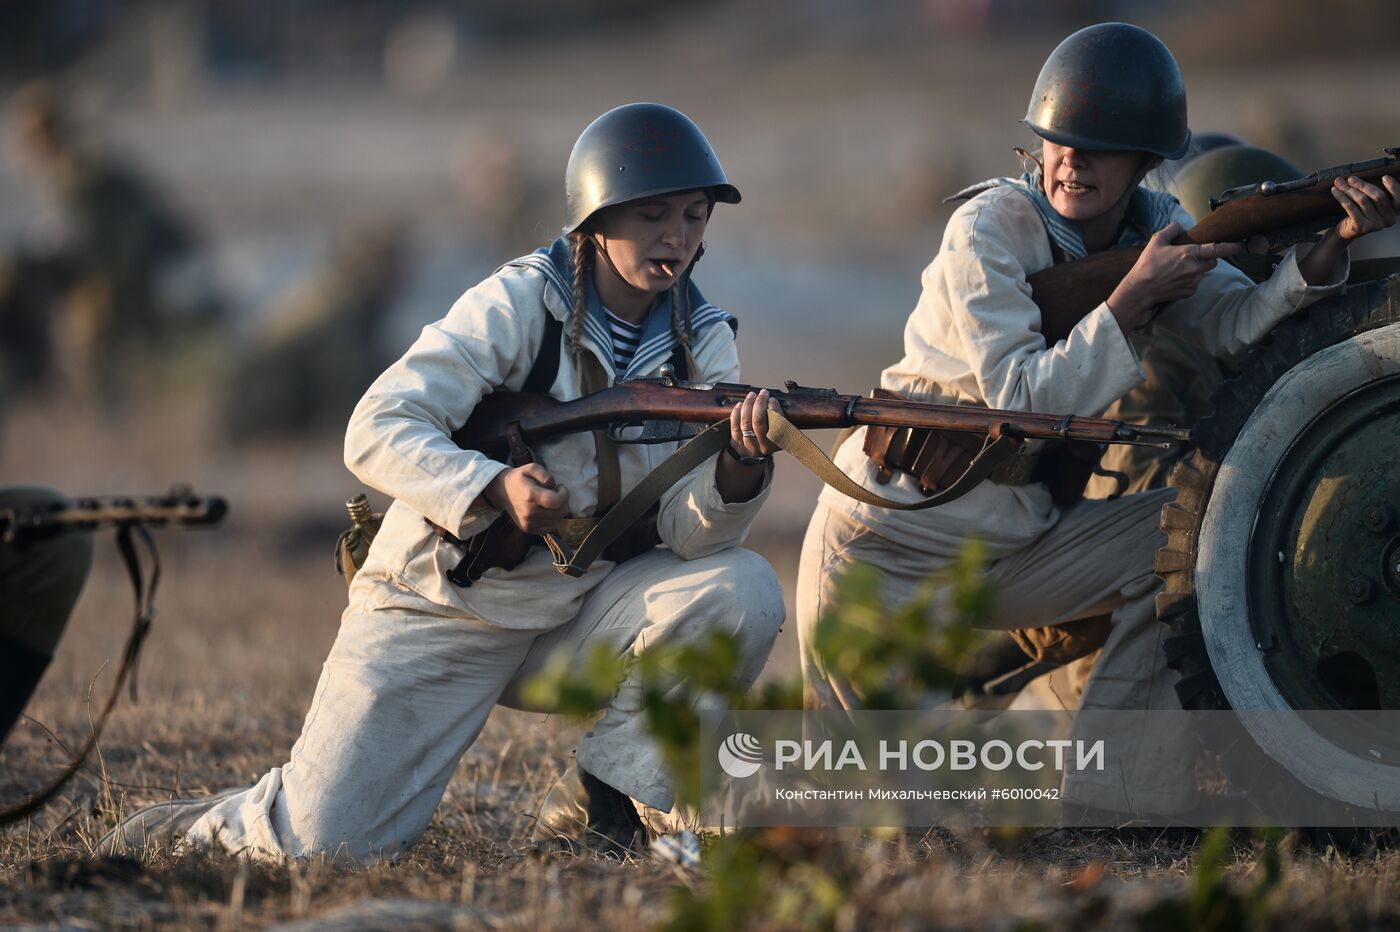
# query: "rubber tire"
(1364, 307)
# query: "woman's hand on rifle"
(739, 474)
(530, 496)
(1165, 272)
(1369, 208)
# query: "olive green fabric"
(1179, 380)
(40, 580)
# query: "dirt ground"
(245, 616)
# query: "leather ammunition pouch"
(935, 458)
(1060, 644)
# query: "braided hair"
(680, 291)
(581, 248)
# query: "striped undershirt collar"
(655, 340)
(626, 337)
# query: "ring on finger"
(748, 434)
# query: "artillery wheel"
(1282, 564)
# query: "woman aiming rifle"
(1108, 106)
(443, 623)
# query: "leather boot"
(614, 828)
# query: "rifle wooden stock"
(1066, 293)
(641, 400)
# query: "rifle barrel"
(1028, 425)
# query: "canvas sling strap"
(998, 447)
(570, 532)
(591, 379)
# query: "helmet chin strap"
(600, 244)
(1149, 163)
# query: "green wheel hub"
(1325, 558)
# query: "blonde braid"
(699, 254)
(677, 329)
(579, 244)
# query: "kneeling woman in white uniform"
(1109, 105)
(420, 660)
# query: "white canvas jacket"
(398, 442)
(974, 338)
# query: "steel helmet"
(639, 150)
(1231, 167)
(1111, 86)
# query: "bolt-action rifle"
(664, 410)
(1284, 212)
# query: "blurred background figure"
(30, 286)
(322, 345)
(122, 281)
(506, 203)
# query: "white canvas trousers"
(405, 691)
(1098, 556)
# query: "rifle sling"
(996, 449)
(592, 379)
(145, 592)
(543, 372)
(641, 497)
(999, 446)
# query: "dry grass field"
(844, 145)
(245, 616)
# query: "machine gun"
(27, 525)
(179, 508)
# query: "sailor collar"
(657, 343)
